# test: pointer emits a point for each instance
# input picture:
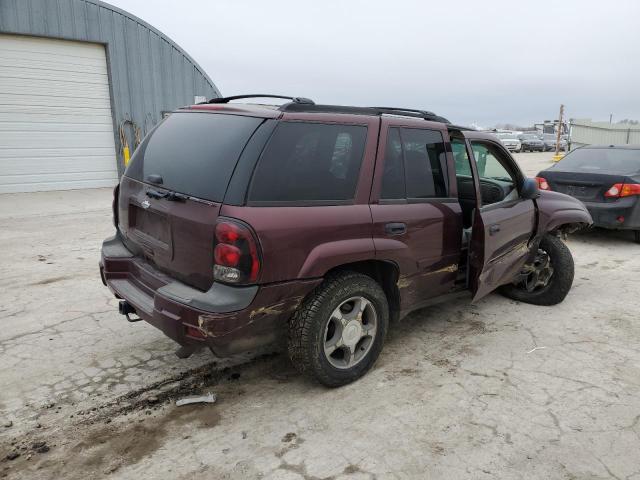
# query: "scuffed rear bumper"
(607, 214)
(226, 319)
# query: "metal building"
(74, 76)
(587, 132)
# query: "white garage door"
(56, 130)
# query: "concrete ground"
(495, 390)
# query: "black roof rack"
(410, 110)
(406, 112)
(296, 100)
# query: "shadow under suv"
(239, 226)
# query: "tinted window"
(461, 157)
(393, 185)
(488, 164)
(194, 153)
(424, 163)
(309, 162)
(601, 160)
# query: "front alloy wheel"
(538, 274)
(548, 279)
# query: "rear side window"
(309, 162)
(194, 153)
(415, 165)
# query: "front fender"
(557, 209)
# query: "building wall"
(149, 74)
(586, 132)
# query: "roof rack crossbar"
(299, 100)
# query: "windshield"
(194, 153)
(602, 160)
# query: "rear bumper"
(606, 214)
(226, 319)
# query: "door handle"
(395, 228)
(493, 229)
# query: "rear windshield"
(602, 160)
(194, 153)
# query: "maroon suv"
(242, 225)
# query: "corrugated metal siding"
(149, 73)
(586, 132)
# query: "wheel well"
(385, 273)
(567, 228)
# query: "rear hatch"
(171, 193)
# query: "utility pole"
(557, 156)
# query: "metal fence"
(586, 132)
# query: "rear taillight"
(114, 205)
(620, 190)
(542, 183)
(235, 253)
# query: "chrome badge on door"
(145, 204)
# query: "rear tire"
(636, 236)
(324, 320)
(558, 285)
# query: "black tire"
(308, 325)
(636, 236)
(560, 282)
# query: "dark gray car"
(531, 142)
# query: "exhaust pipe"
(126, 309)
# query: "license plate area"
(152, 226)
(580, 191)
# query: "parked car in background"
(550, 140)
(606, 179)
(531, 142)
(510, 141)
(316, 224)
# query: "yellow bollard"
(125, 153)
(558, 156)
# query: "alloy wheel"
(350, 332)
(538, 274)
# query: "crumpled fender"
(556, 209)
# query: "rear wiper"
(171, 196)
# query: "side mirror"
(529, 189)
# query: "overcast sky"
(472, 61)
